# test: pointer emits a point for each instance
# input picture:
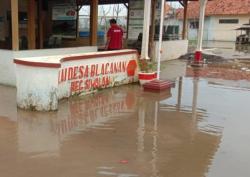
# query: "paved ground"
(199, 128)
(227, 50)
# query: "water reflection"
(221, 74)
(37, 135)
(43, 133)
(179, 93)
(155, 171)
(116, 132)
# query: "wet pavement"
(199, 128)
(227, 50)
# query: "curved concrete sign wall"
(43, 81)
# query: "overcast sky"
(109, 8)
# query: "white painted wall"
(116, 78)
(172, 49)
(193, 33)
(215, 31)
(40, 88)
(7, 67)
(173, 22)
(225, 32)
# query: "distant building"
(221, 19)
(172, 23)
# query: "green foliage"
(147, 66)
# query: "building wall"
(215, 31)
(7, 68)
(193, 33)
(171, 49)
(173, 22)
(225, 32)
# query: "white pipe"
(146, 23)
(160, 39)
(201, 24)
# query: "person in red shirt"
(114, 36)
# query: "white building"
(222, 18)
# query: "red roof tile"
(218, 7)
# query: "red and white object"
(146, 77)
(62, 76)
(198, 53)
(158, 85)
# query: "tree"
(117, 9)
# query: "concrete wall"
(7, 67)
(46, 83)
(172, 49)
(39, 87)
(215, 31)
(193, 32)
(225, 32)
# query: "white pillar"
(201, 29)
(160, 38)
(146, 24)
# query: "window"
(194, 25)
(173, 29)
(229, 21)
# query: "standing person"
(114, 36)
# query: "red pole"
(198, 53)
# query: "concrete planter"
(146, 77)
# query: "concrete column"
(160, 38)
(184, 27)
(146, 24)
(31, 24)
(15, 24)
(93, 22)
(198, 53)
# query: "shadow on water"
(124, 132)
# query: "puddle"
(198, 129)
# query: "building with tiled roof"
(222, 17)
(218, 7)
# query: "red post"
(198, 53)
(198, 56)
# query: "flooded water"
(227, 50)
(199, 128)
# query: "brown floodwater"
(199, 128)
